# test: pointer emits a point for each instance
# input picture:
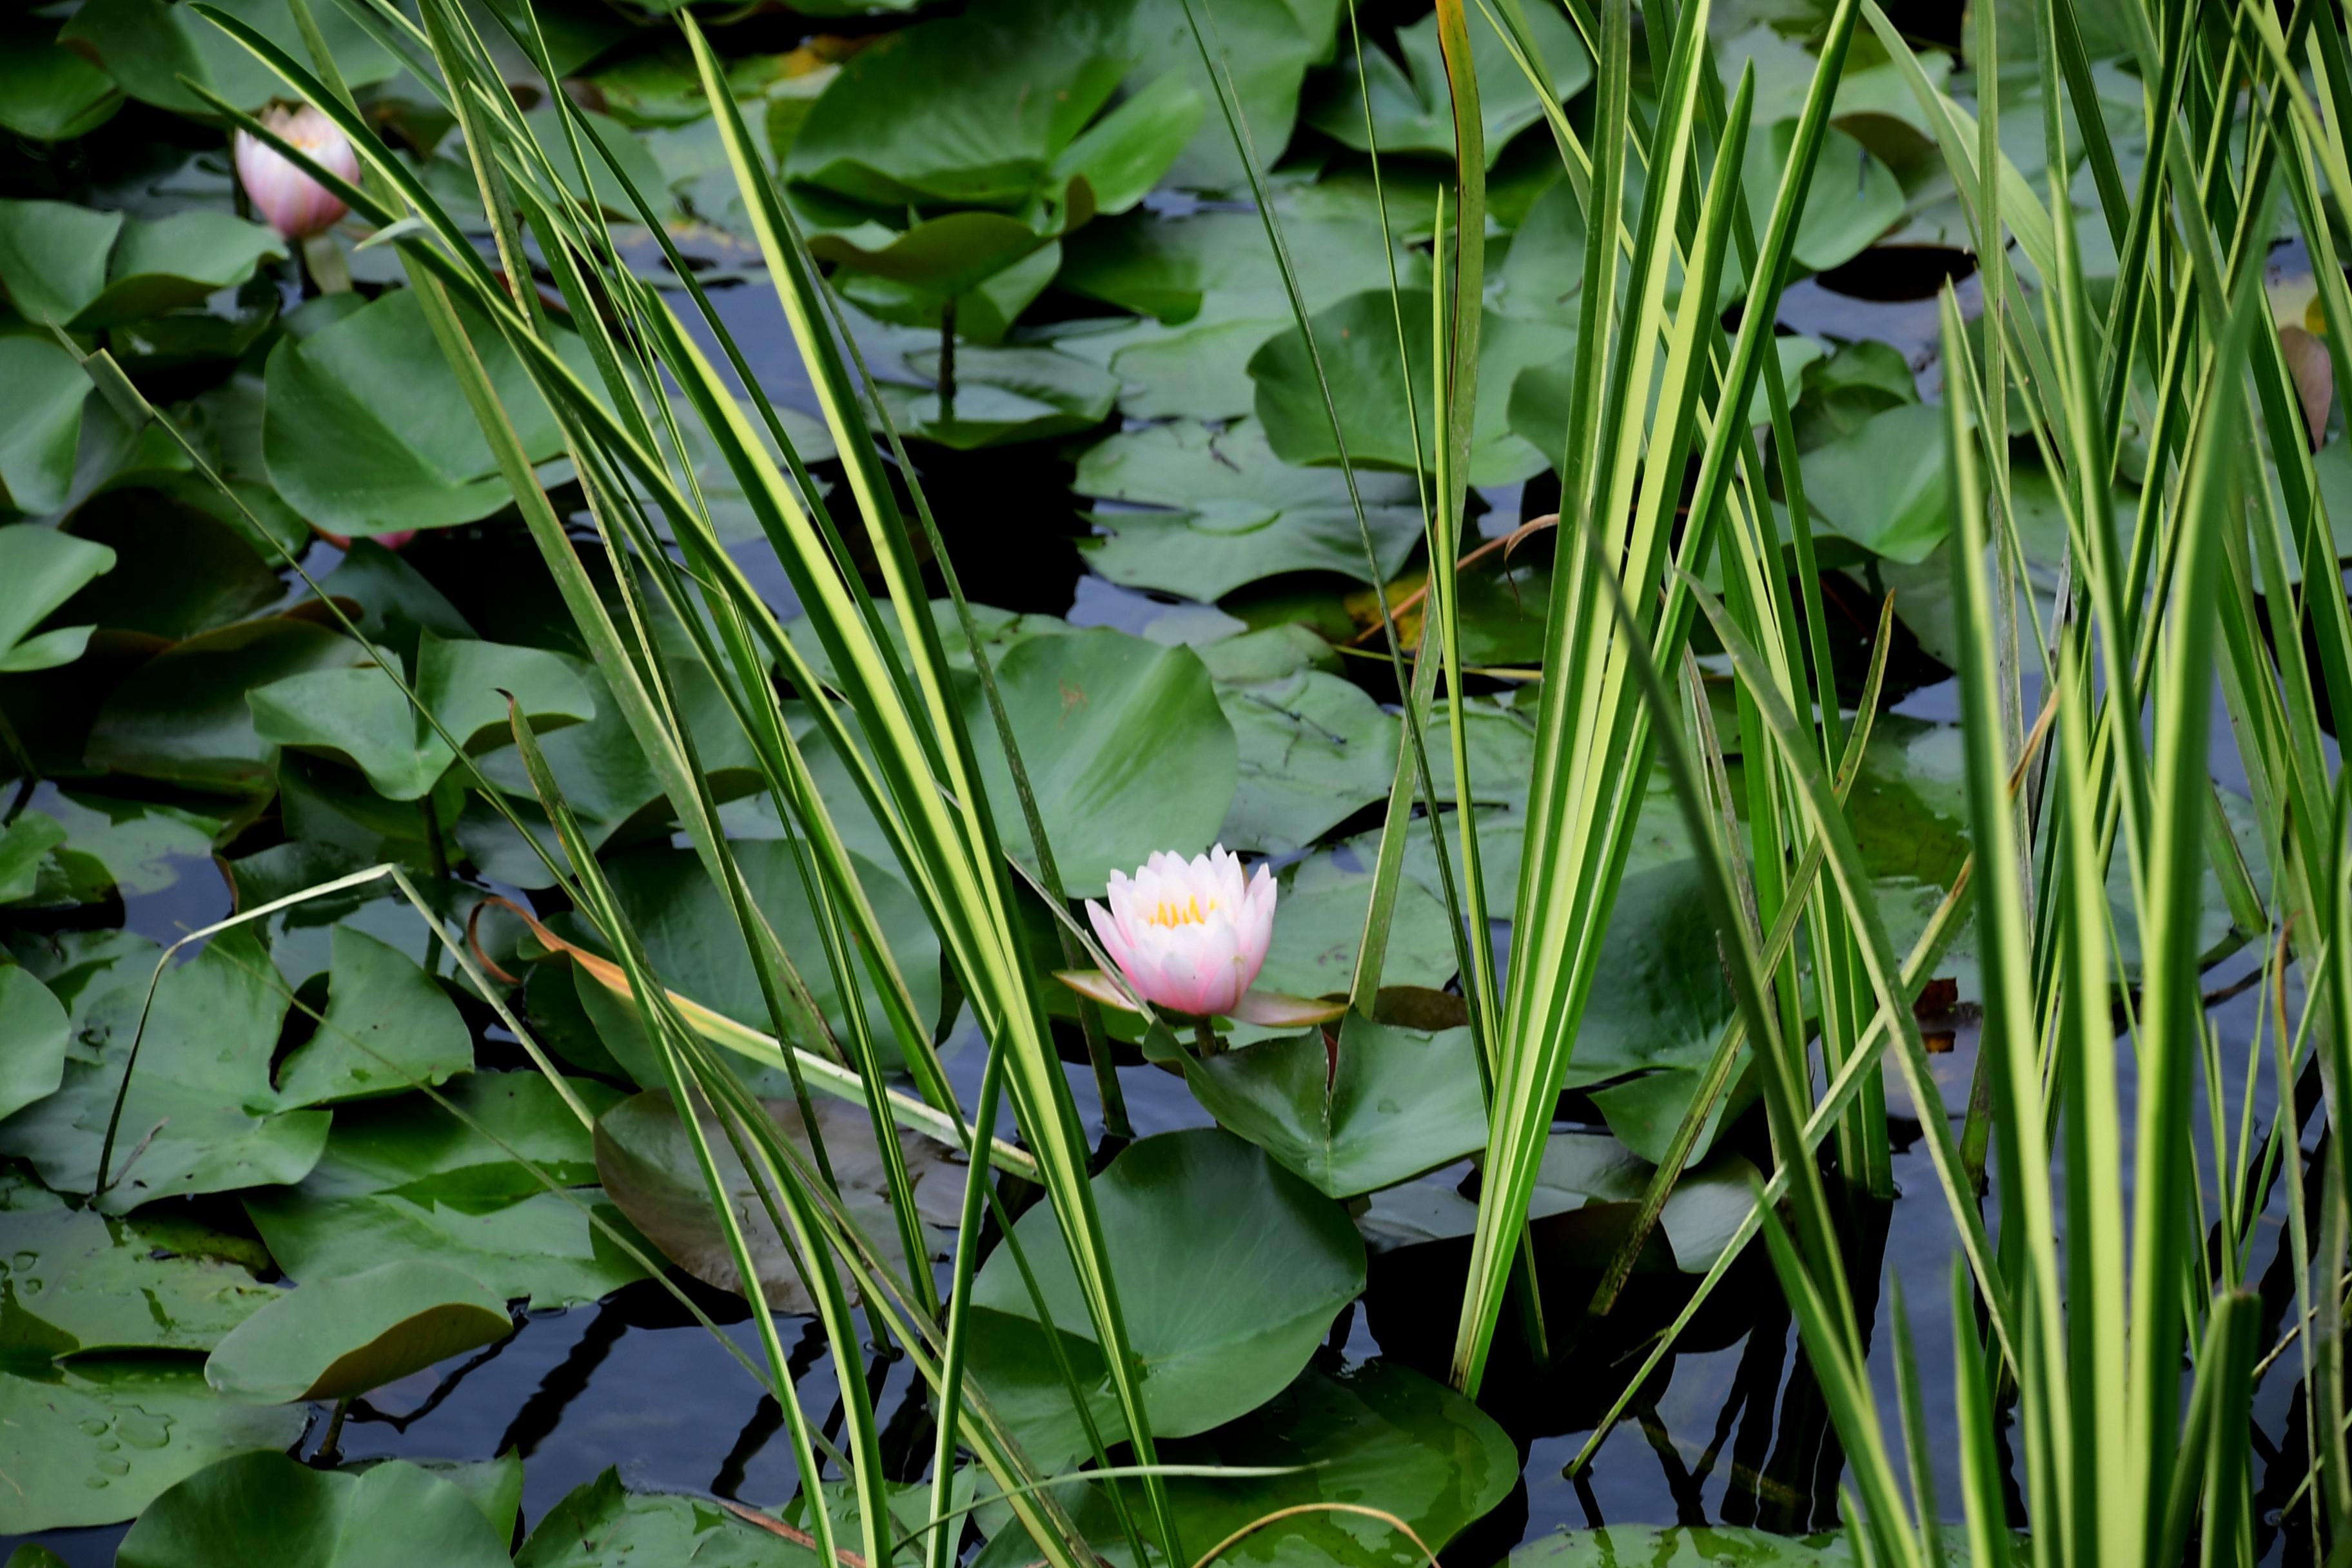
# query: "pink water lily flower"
(292, 203)
(1188, 935)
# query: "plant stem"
(330, 1452)
(947, 358)
(1205, 1033)
(432, 820)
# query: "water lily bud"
(294, 203)
(1189, 936)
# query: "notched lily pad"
(267, 1508)
(342, 1337)
(646, 1161)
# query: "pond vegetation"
(1173, 781)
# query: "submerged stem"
(947, 358)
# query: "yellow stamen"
(1168, 912)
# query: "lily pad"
(47, 92)
(1001, 397)
(178, 570)
(689, 931)
(1266, 47)
(1318, 926)
(649, 1166)
(267, 1508)
(181, 717)
(1667, 998)
(32, 1041)
(361, 717)
(104, 1284)
(188, 1123)
(132, 847)
(344, 1337)
(1314, 749)
(404, 1178)
(603, 1524)
(1229, 1269)
(1127, 749)
(1682, 1546)
(366, 430)
(97, 1441)
(43, 569)
(1380, 1107)
(86, 269)
(388, 1027)
(1882, 486)
(148, 45)
(1379, 1435)
(1236, 512)
(1412, 108)
(974, 110)
(42, 390)
(1357, 340)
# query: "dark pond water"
(1730, 1430)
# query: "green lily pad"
(1237, 512)
(128, 847)
(361, 716)
(1357, 340)
(1266, 48)
(649, 1166)
(1314, 749)
(344, 1337)
(1378, 1436)
(366, 430)
(1001, 397)
(25, 855)
(148, 45)
(975, 109)
(181, 717)
(1380, 1107)
(32, 1041)
(42, 390)
(105, 1284)
(188, 1124)
(602, 1524)
(689, 931)
(86, 269)
(1667, 999)
(1318, 926)
(43, 569)
(1412, 108)
(1127, 749)
(1682, 1546)
(178, 569)
(388, 1027)
(404, 1178)
(1882, 486)
(1854, 198)
(1229, 1269)
(97, 1441)
(47, 92)
(267, 1508)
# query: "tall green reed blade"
(1592, 751)
(953, 813)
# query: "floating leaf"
(44, 568)
(1229, 1269)
(42, 390)
(1126, 747)
(404, 1178)
(181, 717)
(1688, 1546)
(1001, 397)
(1411, 108)
(388, 1027)
(1378, 1436)
(178, 570)
(32, 1041)
(1381, 1105)
(1883, 485)
(338, 1338)
(95, 1442)
(602, 1524)
(47, 92)
(267, 1508)
(106, 1284)
(1357, 342)
(188, 1123)
(366, 430)
(1266, 48)
(362, 717)
(974, 110)
(1318, 925)
(1237, 512)
(148, 45)
(86, 269)
(649, 1166)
